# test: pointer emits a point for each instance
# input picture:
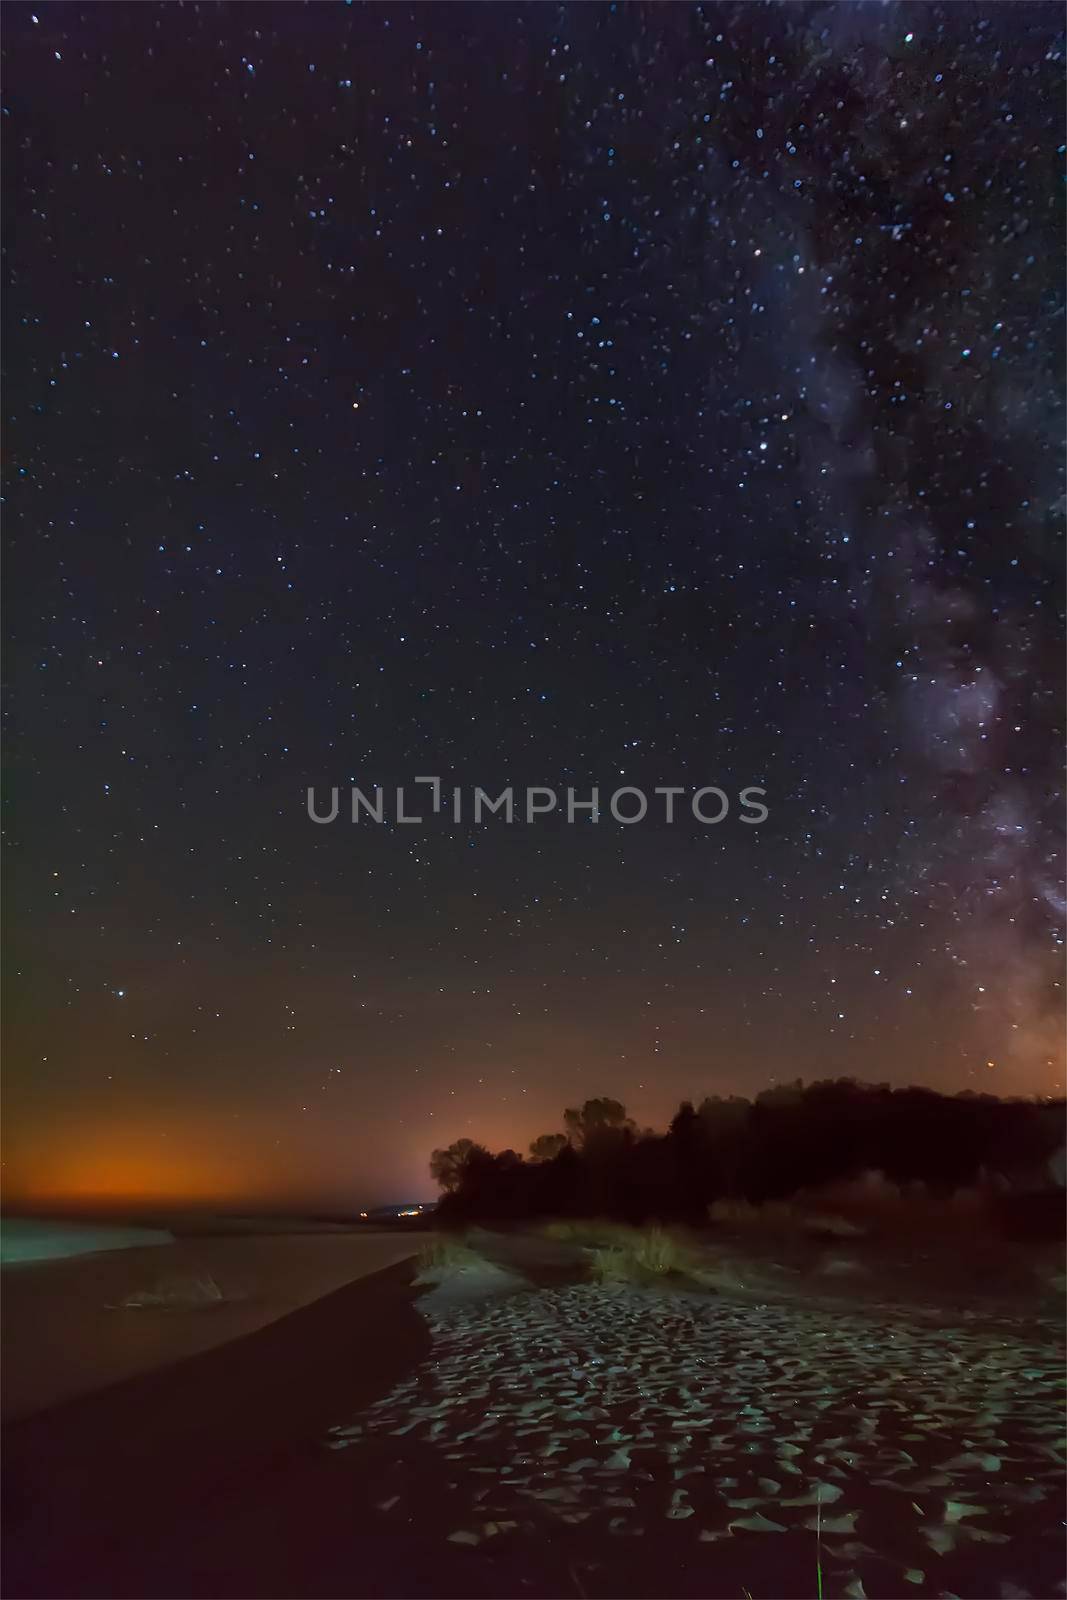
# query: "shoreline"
(139, 1475)
(82, 1323)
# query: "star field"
(539, 395)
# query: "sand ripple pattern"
(907, 1439)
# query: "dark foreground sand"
(514, 1435)
(210, 1477)
(69, 1327)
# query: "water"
(31, 1239)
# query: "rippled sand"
(901, 1450)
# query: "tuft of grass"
(659, 1253)
(642, 1255)
(616, 1254)
(609, 1265)
(442, 1257)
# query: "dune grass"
(618, 1254)
(443, 1256)
(643, 1255)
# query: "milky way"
(959, 498)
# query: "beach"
(205, 1476)
(84, 1322)
(513, 1428)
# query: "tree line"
(789, 1138)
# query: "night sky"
(563, 395)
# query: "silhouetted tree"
(448, 1166)
(691, 1169)
(547, 1146)
(792, 1137)
(593, 1120)
(725, 1124)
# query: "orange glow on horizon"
(135, 1165)
(196, 1163)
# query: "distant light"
(363, 1214)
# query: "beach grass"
(443, 1256)
(642, 1255)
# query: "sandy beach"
(515, 1430)
(75, 1325)
(205, 1476)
